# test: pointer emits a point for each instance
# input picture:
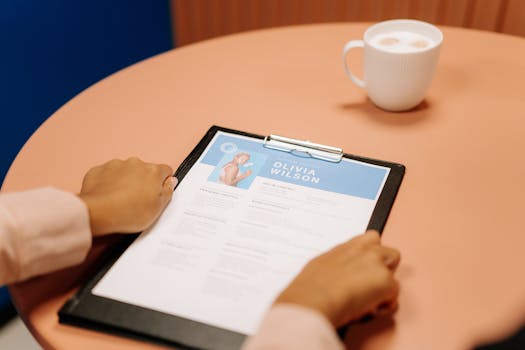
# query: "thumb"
(168, 187)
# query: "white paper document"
(242, 223)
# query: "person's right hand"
(126, 196)
(353, 280)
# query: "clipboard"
(91, 311)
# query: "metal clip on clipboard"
(301, 148)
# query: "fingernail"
(173, 182)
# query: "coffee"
(400, 57)
(401, 42)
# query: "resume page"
(240, 226)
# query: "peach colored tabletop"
(457, 218)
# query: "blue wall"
(50, 50)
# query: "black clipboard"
(94, 312)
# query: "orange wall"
(195, 20)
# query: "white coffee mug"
(400, 58)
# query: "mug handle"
(352, 44)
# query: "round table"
(457, 217)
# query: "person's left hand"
(126, 196)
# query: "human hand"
(126, 196)
(353, 280)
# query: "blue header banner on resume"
(250, 157)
